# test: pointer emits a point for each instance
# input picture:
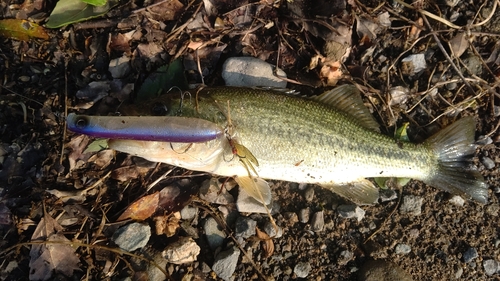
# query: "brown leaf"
(167, 225)
(267, 242)
(50, 257)
(168, 10)
(331, 72)
(77, 146)
(459, 44)
(21, 30)
(141, 209)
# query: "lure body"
(151, 128)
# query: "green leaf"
(97, 145)
(71, 11)
(95, 2)
(162, 80)
(401, 133)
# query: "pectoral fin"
(256, 187)
(361, 192)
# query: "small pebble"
(185, 250)
(215, 234)
(402, 249)
(318, 221)
(488, 163)
(271, 230)
(491, 267)
(251, 72)
(304, 215)
(225, 263)
(411, 205)
(248, 204)
(302, 269)
(457, 200)
(188, 212)
(470, 254)
(245, 227)
(351, 211)
(309, 194)
(459, 272)
(291, 217)
(345, 257)
(132, 236)
(484, 140)
(387, 195)
(212, 191)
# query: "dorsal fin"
(346, 98)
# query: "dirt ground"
(45, 171)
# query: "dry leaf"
(141, 209)
(331, 72)
(50, 257)
(167, 10)
(167, 225)
(415, 30)
(367, 27)
(459, 44)
(77, 146)
(267, 242)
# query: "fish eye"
(159, 109)
(81, 122)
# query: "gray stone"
(251, 72)
(351, 211)
(402, 249)
(470, 254)
(185, 250)
(225, 263)
(215, 234)
(491, 267)
(309, 194)
(484, 140)
(212, 191)
(245, 227)
(457, 200)
(272, 231)
(488, 163)
(132, 236)
(318, 221)
(188, 212)
(380, 270)
(411, 205)
(387, 195)
(302, 269)
(304, 215)
(247, 204)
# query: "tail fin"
(454, 147)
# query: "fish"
(331, 140)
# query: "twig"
(438, 42)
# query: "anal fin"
(361, 192)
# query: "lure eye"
(81, 122)
(159, 109)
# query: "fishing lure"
(150, 128)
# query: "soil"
(40, 80)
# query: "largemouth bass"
(330, 140)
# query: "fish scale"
(332, 146)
